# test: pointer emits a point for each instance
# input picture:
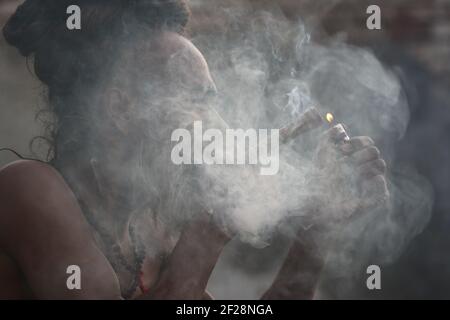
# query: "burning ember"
(329, 117)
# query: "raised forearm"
(300, 272)
(187, 271)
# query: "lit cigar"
(308, 121)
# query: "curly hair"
(72, 63)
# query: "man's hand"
(186, 273)
(351, 173)
(370, 169)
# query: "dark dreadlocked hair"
(70, 63)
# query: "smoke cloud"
(268, 71)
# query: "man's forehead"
(175, 61)
(172, 45)
(186, 63)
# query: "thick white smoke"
(267, 71)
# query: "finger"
(372, 168)
(365, 155)
(335, 134)
(355, 144)
(375, 191)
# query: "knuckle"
(365, 141)
(374, 151)
(361, 142)
(369, 141)
(381, 164)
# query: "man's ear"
(119, 107)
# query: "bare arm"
(191, 263)
(301, 270)
(43, 229)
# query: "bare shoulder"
(43, 229)
(34, 194)
(17, 170)
(29, 181)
